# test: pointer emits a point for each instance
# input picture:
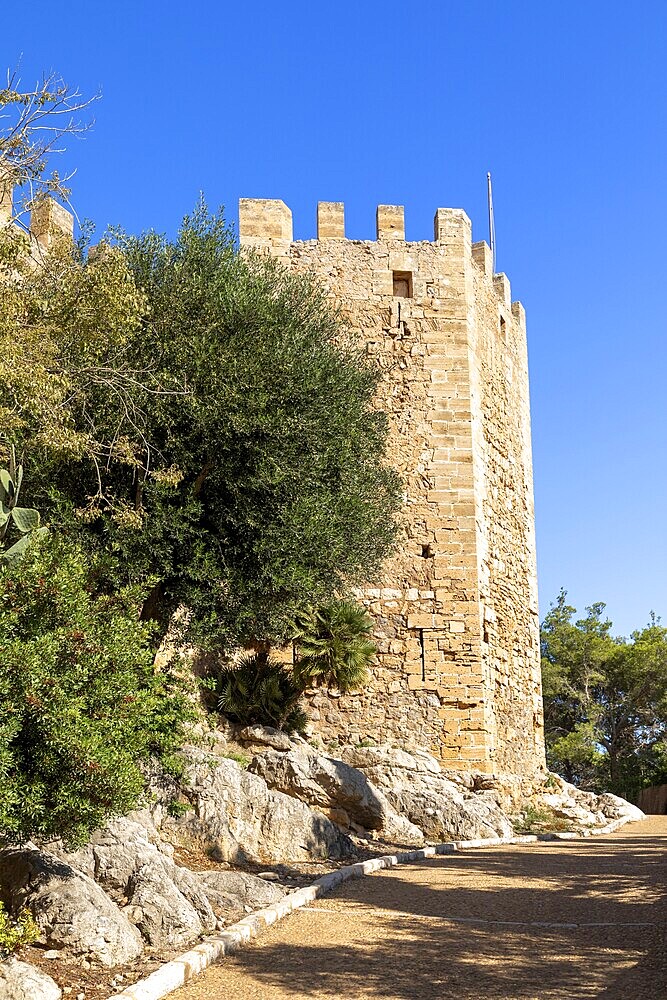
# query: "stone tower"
(455, 611)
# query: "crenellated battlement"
(455, 608)
(47, 222)
(265, 224)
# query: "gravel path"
(556, 921)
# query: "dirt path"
(558, 921)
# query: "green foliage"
(253, 483)
(25, 519)
(81, 703)
(259, 691)
(241, 759)
(176, 808)
(334, 646)
(540, 820)
(66, 335)
(605, 700)
(15, 934)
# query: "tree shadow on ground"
(579, 921)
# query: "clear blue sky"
(369, 102)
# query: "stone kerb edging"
(179, 971)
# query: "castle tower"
(456, 618)
(49, 222)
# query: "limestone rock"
(265, 736)
(70, 910)
(388, 756)
(236, 812)
(418, 790)
(323, 782)
(167, 902)
(163, 914)
(585, 810)
(615, 807)
(331, 784)
(20, 981)
(232, 893)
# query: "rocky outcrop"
(233, 894)
(265, 736)
(583, 810)
(71, 910)
(614, 807)
(327, 783)
(20, 981)
(417, 789)
(165, 901)
(235, 812)
(124, 887)
(163, 914)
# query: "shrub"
(334, 646)
(254, 482)
(540, 820)
(14, 934)
(259, 691)
(81, 703)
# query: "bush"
(81, 703)
(334, 646)
(255, 484)
(259, 691)
(540, 820)
(14, 934)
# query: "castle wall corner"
(455, 607)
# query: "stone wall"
(48, 221)
(455, 609)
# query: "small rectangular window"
(403, 284)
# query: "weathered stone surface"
(443, 811)
(389, 756)
(331, 784)
(236, 812)
(163, 914)
(615, 807)
(20, 981)
(324, 782)
(455, 607)
(583, 809)
(166, 901)
(419, 791)
(71, 911)
(265, 736)
(114, 853)
(231, 893)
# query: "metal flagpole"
(492, 227)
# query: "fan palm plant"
(334, 646)
(259, 690)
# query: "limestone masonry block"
(49, 220)
(330, 220)
(390, 222)
(481, 254)
(519, 314)
(452, 225)
(265, 223)
(502, 286)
